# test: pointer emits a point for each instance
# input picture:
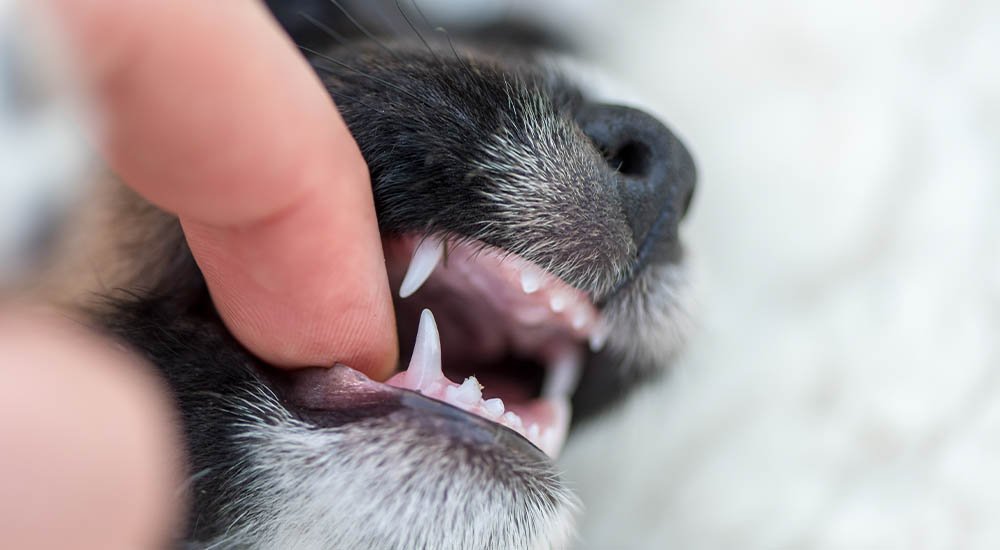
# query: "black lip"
(333, 397)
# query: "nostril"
(655, 173)
(631, 159)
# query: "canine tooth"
(563, 374)
(425, 259)
(579, 319)
(530, 281)
(425, 364)
(557, 303)
(493, 407)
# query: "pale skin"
(210, 113)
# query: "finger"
(211, 113)
(90, 460)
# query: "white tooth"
(470, 392)
(545, 442)
(596, 342)
(493, 407)
(557, 303)
(579, 319)
(425, 258)
(531, 281)
(555, 435)
(598, 337)
(563, 374)
(533, 432)
(512, 421)
(451, 395)
(425, 364)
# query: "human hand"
(211, 113)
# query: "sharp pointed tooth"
(425, 258)
(598, 337)
(425, 364)
(579, 319)
(531, 281)
(494, 407)
(563, 374)
(557, 303)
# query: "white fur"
(380, 483)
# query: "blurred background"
(843, 390)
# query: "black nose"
(655, 173)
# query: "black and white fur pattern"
(486, 142)
(387, 475)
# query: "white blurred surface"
(844, 391)
(41, 155)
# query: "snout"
(655, 175)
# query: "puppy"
(531, 232)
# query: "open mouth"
(506, 340)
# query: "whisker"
(416, 31)
(325, 28)
(363, 29)
(362, 73)
(390, 23)
(454, 51)
(351, 99)
(421, 12)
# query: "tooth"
(470, 392)
(596, 342)
(557, 303)
(555, 435)
(563, 374)
(579, 319)
(545, 442)
(425, 364)
(551, 442)
(533, 432)
(512, 421)
(530, 281)
(493, 407)
(451, 396)
(425, 259)
(598, 337)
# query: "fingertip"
(231, 130)
(306, 289)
